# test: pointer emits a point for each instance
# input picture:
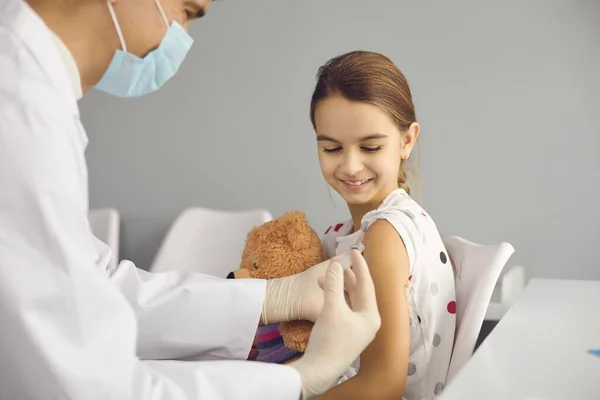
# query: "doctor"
(70, 328)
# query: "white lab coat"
(68, 327)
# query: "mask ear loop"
(162, 12)
(117, 27)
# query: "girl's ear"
(409, 139)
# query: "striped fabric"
(270, 346)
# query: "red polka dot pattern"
(451, 307)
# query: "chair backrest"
(105, 225)
(207, 241)
(478, 268)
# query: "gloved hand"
(295, 297)
(342, 331)
(299, 296)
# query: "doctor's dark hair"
(372, 78)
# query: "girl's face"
(360, 149)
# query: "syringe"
(345, 258)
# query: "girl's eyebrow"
(326, 138)
(374, 136)
(368, 137)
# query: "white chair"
(508, 288)
(478, 269)
(105, 225)
(207, 241)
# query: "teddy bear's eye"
(255, 266)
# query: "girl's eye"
(334, 150)
(371, 149)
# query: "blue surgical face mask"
(130, 76)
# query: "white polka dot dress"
(430, 295)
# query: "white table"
(539, 350)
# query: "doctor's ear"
(409, 138)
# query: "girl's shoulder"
(409, 219)
(400, 201)
(398, 206)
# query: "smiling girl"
(366, 128)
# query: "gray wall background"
(507, 94)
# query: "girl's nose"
(351, 164)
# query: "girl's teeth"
(358, 183)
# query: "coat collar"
(36, 37)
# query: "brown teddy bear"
(284, 246)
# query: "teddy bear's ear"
(293, 217)
(297, 228)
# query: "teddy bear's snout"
(241, 273)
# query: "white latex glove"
(299, 296)
(342, 331)
(295, 297)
